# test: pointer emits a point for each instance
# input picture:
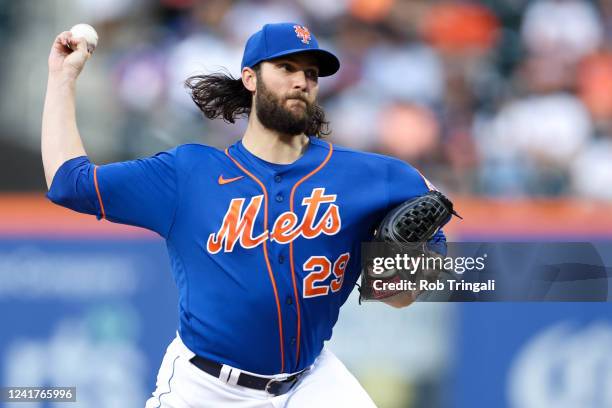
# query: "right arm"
(60, 139)
(140, 192)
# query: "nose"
(299, 80)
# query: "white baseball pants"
(180, 384)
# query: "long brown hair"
(222, 95)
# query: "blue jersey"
(263, 254)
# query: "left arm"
(404, 183)
(402, 299)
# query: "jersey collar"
(313, 156)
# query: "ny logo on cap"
(303, 33)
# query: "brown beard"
(273, 114)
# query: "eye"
(312, 74)
(284, 66)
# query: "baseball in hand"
(88, 33)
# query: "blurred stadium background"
(504, 104)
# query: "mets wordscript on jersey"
(238, 223)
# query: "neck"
(272, 146)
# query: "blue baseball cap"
(276, 40)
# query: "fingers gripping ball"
(88, 33)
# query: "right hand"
(68, 56)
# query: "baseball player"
(263, 237)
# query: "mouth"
(297, 100)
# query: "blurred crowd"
(503, 98)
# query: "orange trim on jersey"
(265, 251)
(295, 291)
(98, 192)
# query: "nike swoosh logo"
(223, 181)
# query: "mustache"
(300, 97)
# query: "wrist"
(61, 80)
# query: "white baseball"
(86, 32)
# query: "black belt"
(270, 385)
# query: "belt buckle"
(267, 389)
(273, 381)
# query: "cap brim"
(327, 62)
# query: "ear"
(249, 79)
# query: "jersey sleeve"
(141, 192)
(405, 182)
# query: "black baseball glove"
(406, 229)
(416, 220)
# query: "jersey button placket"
(279, 196)
(278, 206)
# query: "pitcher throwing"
(263, 237)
